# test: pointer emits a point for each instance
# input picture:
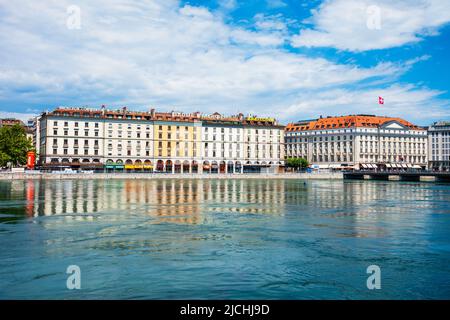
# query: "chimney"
(152, 112)
(124, 110)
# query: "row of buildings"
(124, 140)
(118, 140)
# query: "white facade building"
(156, 141)
(238, 144)
(439, 146)
(360, 141)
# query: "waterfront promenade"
(108, 176)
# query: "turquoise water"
(224, 239)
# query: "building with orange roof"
(358, 141)
(147, 141)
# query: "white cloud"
(274, 4)
(275, 22)
(360, 25)
(228, 4)
(154, 53)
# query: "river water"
(224, 239)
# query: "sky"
(289, 59)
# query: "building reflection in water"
(193, 201)
(168, 200)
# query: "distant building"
(358, 141)
(439, 146)
(123, 140)
(32, 129)
(11, 122)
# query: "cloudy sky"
(288, 58)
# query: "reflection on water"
(224, 238)
(181, 201)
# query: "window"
(86, 124)
(55, 123)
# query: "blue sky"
(283, 58)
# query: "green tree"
(297, 163)
(14, 145)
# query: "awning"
(404, 165)
(129, 166)
(323, 166)
(409, 165)
(364, 165)
(416, 166)
(334, 166)
(388, 165)
(148, 166)
(138, 166)
(374, 166)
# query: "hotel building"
(122, 140)
(358, 141)
(238, 144)
(439, 146)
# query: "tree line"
(297, 163)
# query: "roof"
(350, 121)
(10, 122)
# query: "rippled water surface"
(224, 239)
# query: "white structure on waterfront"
(158, 141)
(361, 141)
(235, 145)
(439, 146)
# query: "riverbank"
(104, 176)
